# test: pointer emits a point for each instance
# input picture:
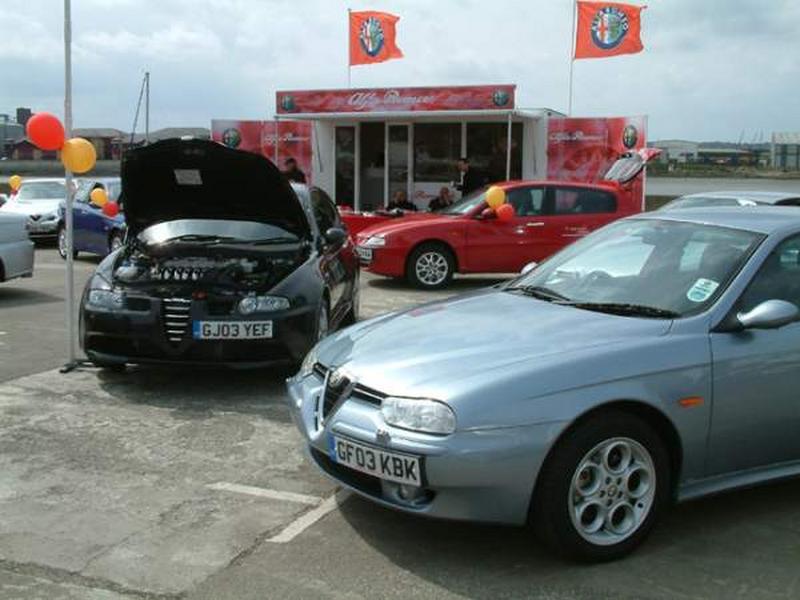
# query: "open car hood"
(200, 179)
(629, 165)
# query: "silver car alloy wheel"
(62, 242)
(612, 491)
(431, 268)
(116, 242)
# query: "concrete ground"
(159, 483)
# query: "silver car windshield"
(648, 267)
(42, 190)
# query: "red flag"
(373, 37)
(608, 29)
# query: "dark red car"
(468, 237)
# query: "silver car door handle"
(536, 224)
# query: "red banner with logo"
(292, 137)
(607, 29)
(486, 97)
(583, 149)
(373, 37)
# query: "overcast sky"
(710, 68)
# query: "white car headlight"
(107, 299)
(428, 416)
(254, 304)
(51, 216)
(374, 241)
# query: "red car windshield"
(466, 204)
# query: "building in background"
(785, 151)
(676, 151)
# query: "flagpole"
(349, 66)
(69, 283)
(572, 53)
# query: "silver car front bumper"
(483, 475)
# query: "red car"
(428, 248)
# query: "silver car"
(740, 198)
(38, 200)
(657, 359)
(16, 249)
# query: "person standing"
(292, 171)
(471, 179)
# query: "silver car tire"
(61, 243)
(115, 241)
(430, 266)
(602, 488)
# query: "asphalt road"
(166, 484)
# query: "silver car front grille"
(177, 314)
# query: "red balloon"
(505, 212)
(45, 131)
(111, 209)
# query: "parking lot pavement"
(165, 484)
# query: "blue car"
(94, 232)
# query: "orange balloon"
(98, 197)
(495, 197)
(78, 155)
(505, 212)
(14, 182)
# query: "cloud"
(709, 70)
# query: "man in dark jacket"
(292, 171)
(471, 179)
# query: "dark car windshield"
(214, 230)
(466, 204)
(42, 190)
(647, 267)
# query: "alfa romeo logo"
(609, 27)
(630, 136)
(371, 36)
(500, 98)
(231, 137)
(287, 103)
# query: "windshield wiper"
(624, 309)
(540, 292)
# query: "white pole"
(147, 108)
(70, 278)
(572, 54)
(508, 148)
(349, 66)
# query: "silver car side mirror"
(770, 314)
(528, 268)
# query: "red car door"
(495, 246)
(577, 211)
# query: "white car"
(38, 200)
(16, 248)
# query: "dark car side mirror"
(335, 236)
(487, 214)
(770, 314)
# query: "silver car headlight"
(307, 366)
(107, 299)
(51, 216)
(374, 241)
(416, 414)
(255, 304)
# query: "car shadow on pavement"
(715, 547)
(200, 393)
(12, 297)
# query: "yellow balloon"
(98, 197)
(14, 182)
(495, 197)
(78, 155)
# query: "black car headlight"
(103, 295)
(256, 304)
